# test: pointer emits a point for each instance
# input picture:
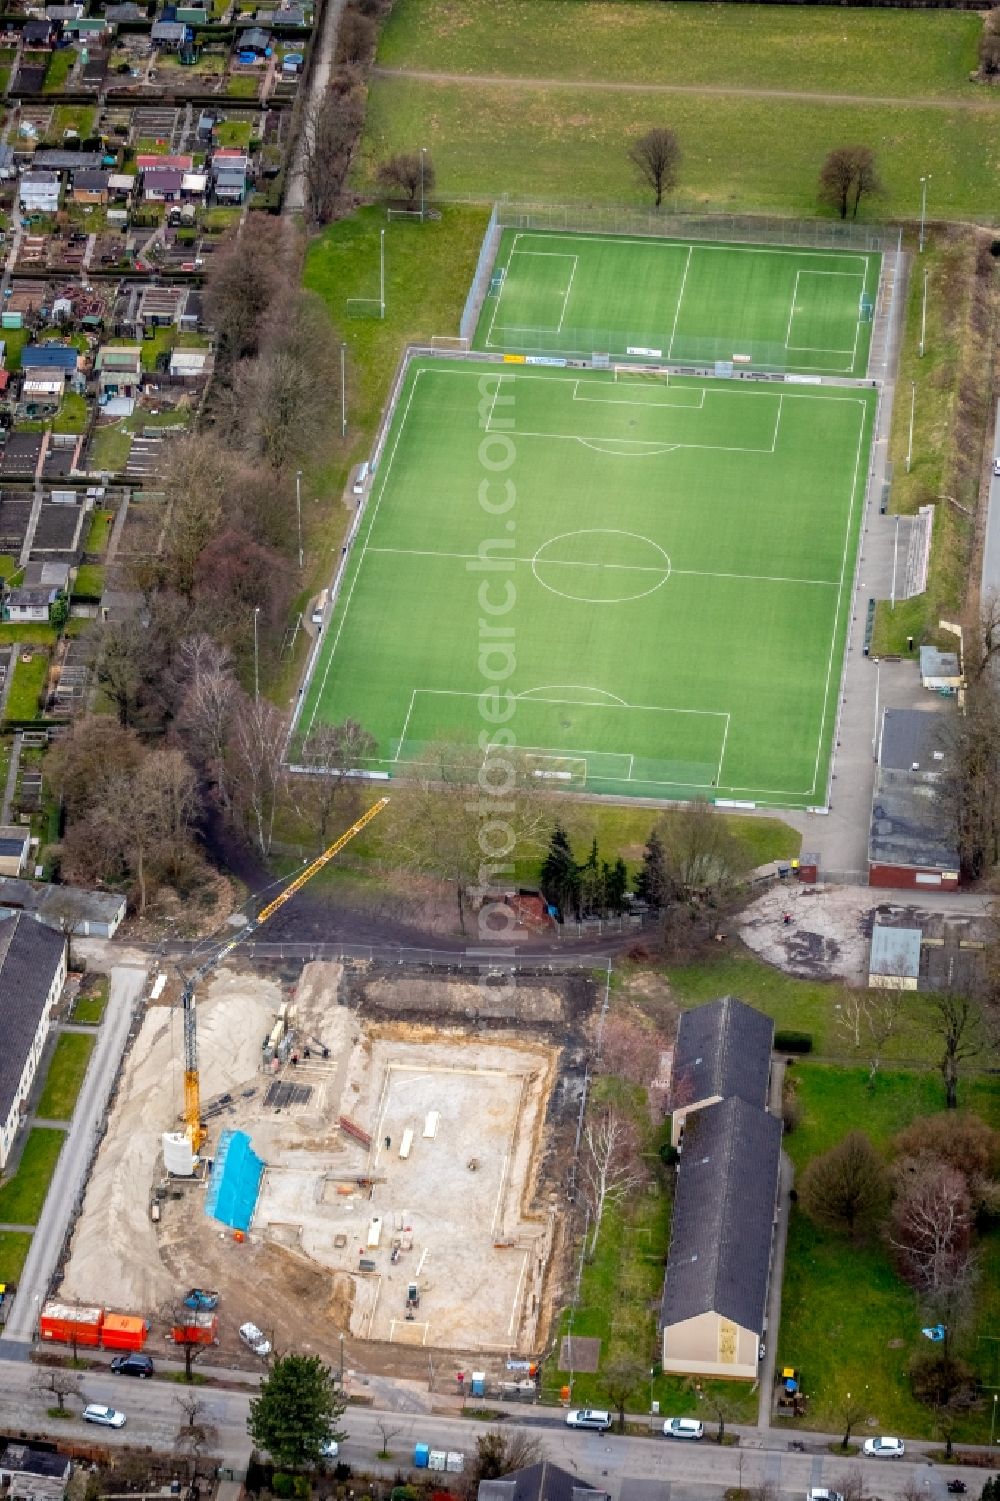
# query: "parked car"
(589, 1417)
(254, 1339)
(996, 467)
(329, 1448)
(821, 1495)
(106, 1417)
(683, 1428)
(133, 1364)
(884, 1448)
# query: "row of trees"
(848, 173)
(922, 1198)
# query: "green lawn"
(756, 46)
(65, 1076)
(72, 415)
(78, 117)
(233, 133)
(89, 1007)
(109, 449)
(807, 1006)
(739, 153)
(746, 714)
(22, 1197)
(9, 567)
(100, 530)
(14, 340)
(59, 69)
(244, 86)
(14, 1247)
(26, 687)
(782, 309)
(848, 1322)
(89, 580)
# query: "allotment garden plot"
(773, 307)
(660, 597)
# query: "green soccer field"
(774, 308)
(654, 576)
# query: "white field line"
(360, 563)
(406, 725)
(624, 401)
(787, 250)
(696, 573)
(569, 289)
(680, 299)
(503, 288)
(791, 310)
(722, 753)
(840, 596)
(777, 424)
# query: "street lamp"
(256, 656)
(343, 390)
(923, 316)
(993, 1419)
(298, 509)
(341, 1362)
(923, 208)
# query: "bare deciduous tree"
(355, 37)
(847, 1187)
(610, 1168)
(204, 716)
(389, 1429)
(255, 750)
(883, 1010)
(501, 1451)
(958, 1021)
(280, 400)
(852, 1410)
(701, 853)
(245, 278)
(656, 157)
(621, 1378)
(195, 1433)
(332, 752)
(58, 1382)
(723, 1409)
(931, 1224)
(402, 173)
(848, 173)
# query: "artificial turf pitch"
(774, 307)
(664, 583)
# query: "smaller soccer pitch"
(644, 583)
(775, 308)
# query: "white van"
(319, 608)
(361, 478)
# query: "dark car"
(132, 1365)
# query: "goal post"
(450, 343)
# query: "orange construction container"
(70, 1324)
(122, 1331)
(196, 1329)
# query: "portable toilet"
(479, 1383)
(421, 1453)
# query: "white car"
(254, 1339)
(884, 1448)
(107, 1417)
(329, 1448)
(996, 468)
(589, 1417)
(821, 1495)
(683, 1428)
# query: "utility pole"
(923, 209)
(343, 390)
(923, 316)
(423, 153)
(256, 656)
(298, 511)
(913, 404)
(381, 272)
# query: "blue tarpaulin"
(235, 1181)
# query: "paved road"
(74, 1162)
(694, 1471)
(294, 201)
(991, 547)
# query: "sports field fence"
(480, 278)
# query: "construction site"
(384, 1163)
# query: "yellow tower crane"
(192, 1088)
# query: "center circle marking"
(623, 570)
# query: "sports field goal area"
(642, 582)
(780, 308)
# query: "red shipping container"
(122, 1331)
(71, 1325)
(196, 1329)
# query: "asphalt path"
(693, 1470)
